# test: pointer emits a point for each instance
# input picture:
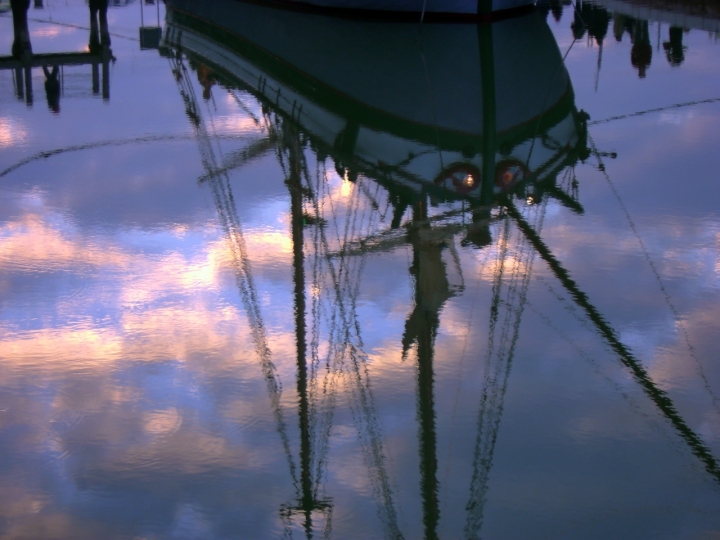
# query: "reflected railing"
(23, 59)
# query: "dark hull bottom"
(488, 13)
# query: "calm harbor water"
(273, 274)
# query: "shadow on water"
(493, 146)
(23, 58)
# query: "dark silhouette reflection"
(674, 48)
(499, 142)
(455, 153)
(52, 88)
(618, 26)
(206, 78)
(555, 7)
(443, 147)
(100, 45)
(99, 32)
(595, 20)
(22, 50)
(591, 18)
(696, 15)
(641, 53)
(23, 57)
(21, 41)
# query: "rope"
(653, 268)
(658, 109)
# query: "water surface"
(284, 277)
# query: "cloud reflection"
(12, 132)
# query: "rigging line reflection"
(341, 349)
(479, 270)
(338, 344)
(657, 109)
(364, 415)
(373, 446)
(666, 295)
(633, 403)
(308, 500)
(497, 373)
(498, 358)
(244, 107)
(44, 154)
(222, 196)
(567, 305)
(666, 406)
(347, 346)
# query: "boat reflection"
(459, 111)
(461, 116)
(449, 124)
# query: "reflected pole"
(307, 502)
(28, 84)
(431, 292)
(428, 438)
(100, 43)
(106, 73)
(19, 84)
(95, 78)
